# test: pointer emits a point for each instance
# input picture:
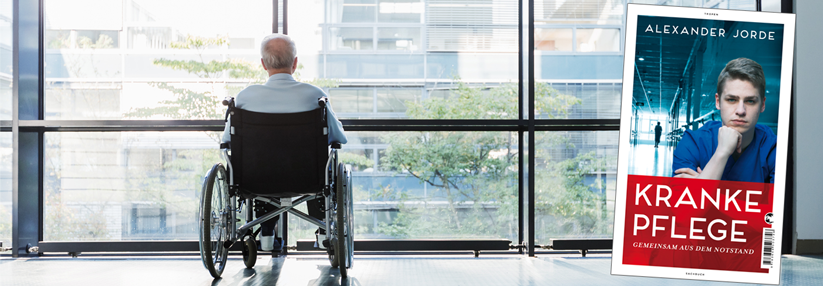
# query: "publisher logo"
(769, 218)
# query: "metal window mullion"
(520, 161)
(285, 17)
(275, 27)
(531, 134)
(27, 104)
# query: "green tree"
(474, 174)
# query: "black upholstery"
(279, 155)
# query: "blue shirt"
(755, 164)
(282, 94)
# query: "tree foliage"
(472, 176)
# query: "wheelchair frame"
(221, 202)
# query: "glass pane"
(6, 64)
(598, 40)
(350, 11)
(553, 39)
(398, 39)
(468, 50)
(577, 100)
(352, 39)
(566, 65)
(582, 12)
(350, 102)
(125, 185)
(5, 188)
(400, 11)
(150, 59)
(443, 185)
(576, 174)
(396, 100)
(472, 26)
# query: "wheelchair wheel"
(249, 252)
(343, 246)
(349, 219)
(333, 253)
(214, 220)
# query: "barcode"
(768, 248)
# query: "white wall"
(808, 112)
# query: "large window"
(107, 177)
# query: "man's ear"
(763, 105)
(264, 64)
(294, 65)
(717, 101)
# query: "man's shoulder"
(252, 90)
(766, 130)
(310, 89)
(766, 134)
(292, 89)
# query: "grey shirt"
(282, 94)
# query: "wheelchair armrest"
(336, 145)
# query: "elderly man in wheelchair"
(280, 150)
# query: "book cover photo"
(703, 144)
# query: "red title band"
(694, 223)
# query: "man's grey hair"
(276, 57)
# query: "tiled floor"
(369, 270)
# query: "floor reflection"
(286, 271)
(403, 270)
(644, 159)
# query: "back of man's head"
(278, 51)
(743, 69)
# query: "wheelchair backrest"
(279, 154)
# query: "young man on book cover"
(736, 148)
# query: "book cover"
(703, 144)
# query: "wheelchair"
(283, 160)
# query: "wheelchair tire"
(350, 218)
(343, 195)
(214, 223)
(249, 252)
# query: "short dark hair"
(743, 69)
